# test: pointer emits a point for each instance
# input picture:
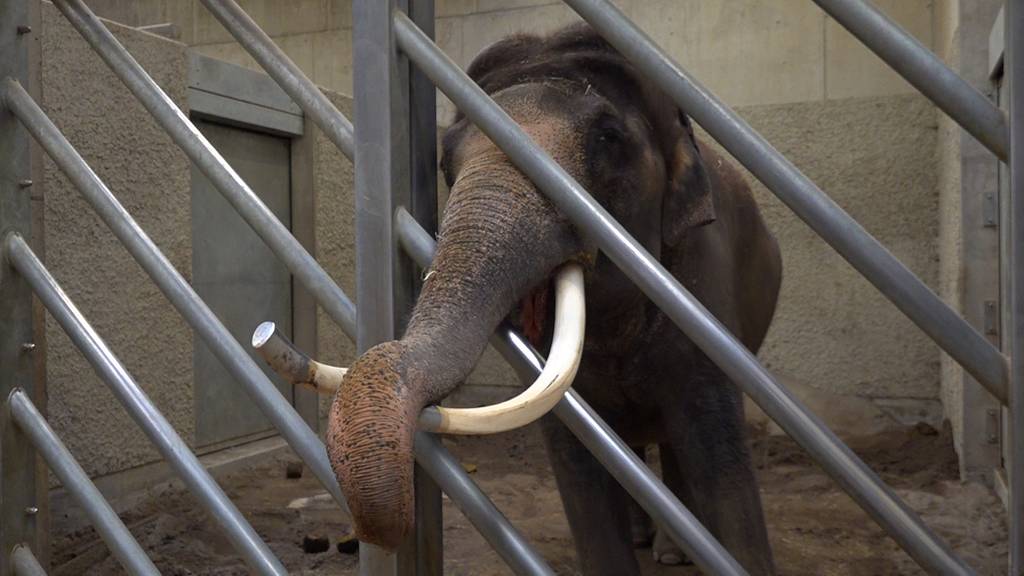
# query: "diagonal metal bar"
(924, 70)
(287, 75)
(121, 542)
(623, 464)
(24, 563)
(185, 134)
(255, 552)
(685, 311)
(181, 295)
(951, 332)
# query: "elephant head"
(501, 240)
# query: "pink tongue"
(534, 311)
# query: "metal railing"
(385, 33)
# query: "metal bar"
(422, 126)
(281, 68)
(177, 453)
(650, 492)
(478, 509)
(924, 70)
(181, 295)
(211, 163)
(382, 181)
(951, 332)
(1013, 62)
(24, 562)
(121, 542)
(690, 315)
(20, 487)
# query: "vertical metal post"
(383, 182)
(1014, 74)
(423, 207)
(19, 482)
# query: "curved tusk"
(291, 364)
(554, 380)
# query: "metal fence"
(397, 66)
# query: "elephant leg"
(596, 506)
(706, 436)
(641, 526)
(664, 550)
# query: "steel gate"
(396, 67)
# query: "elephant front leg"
(596, 506)
(706, 463)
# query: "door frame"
(235, 96)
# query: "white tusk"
(291, 364)
(554, 380)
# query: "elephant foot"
(666, 552)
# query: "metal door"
(238, 277)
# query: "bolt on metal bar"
(24, 563)
(303, 440)
(191, 141)
(177, 453)
(897, 283)
(478, 509)
(121, 542)
(924, 70)
(623, 464)
(181, 295)
(1014, 74)
(287, 75)
(668, 294)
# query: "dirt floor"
(814, 527)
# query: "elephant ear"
(689, 199)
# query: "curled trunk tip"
(369, 443)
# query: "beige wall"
(150, 177)
(750, 52)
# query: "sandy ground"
(814, 527)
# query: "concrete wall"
(750, 52)
(151, 178)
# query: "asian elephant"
(500, 242)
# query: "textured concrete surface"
(151, 178)
(334, 205)
(751, 52)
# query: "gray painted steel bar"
(478, 509)
(255, 552)
(24, 563)
(121, 542)
(951, 332)
(922, 68)
(281, 68)
(181, 295)
(689, 314)
(211, 163)
(1013, 59)
(650, 492)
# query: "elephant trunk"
(499, 239)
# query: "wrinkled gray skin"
(500, 243)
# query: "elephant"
(500, 242)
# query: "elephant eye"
(609, 131)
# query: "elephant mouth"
(530, 317)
